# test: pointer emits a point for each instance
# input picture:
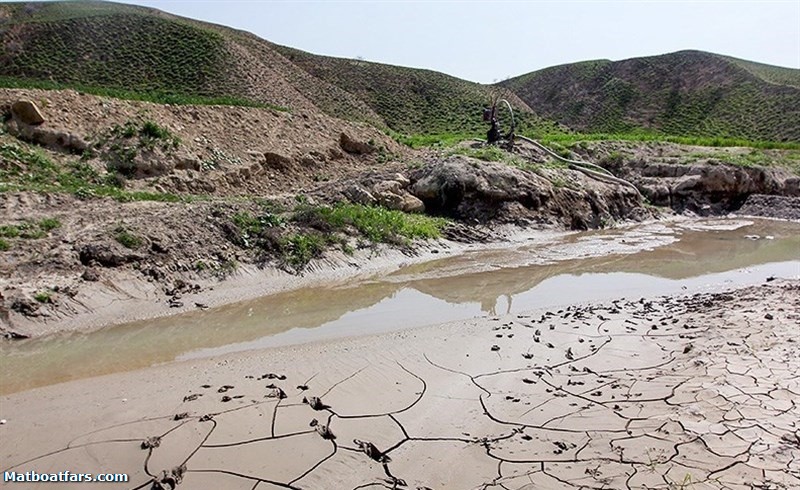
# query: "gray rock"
(90, 275)
(359, 195)
(276, 160)
(105, 255)
(385, 186)
(353, 146)
(402, 179)
(472, 190)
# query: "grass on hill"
(413, 102)
(30, 169)
(118, 51)
(643, 136)
(686, 94)
(154, 96)
(773, 74)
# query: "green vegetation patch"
(649, 136)
(43, 297)
(704, 96)
(299, 236)
(24, 168)
(30, 230)
(789, 159)
(127, 239)
(377, 224)
(124, 52)
(120, 145)
(156, 97)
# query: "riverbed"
(659, 258)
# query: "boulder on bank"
(359, 195)
(27, 112)
(353, 146)
(106, 255)
(48, 137)
(401, 201)
(391, 194)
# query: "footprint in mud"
(315, 403)
(323, 430)
(275, 392)
(371, 451)
(151, 442)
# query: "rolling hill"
(141, 53)
(138, 52)
(688, 93)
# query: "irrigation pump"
(491, 115)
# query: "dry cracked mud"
(674, 392)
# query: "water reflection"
(581, 267)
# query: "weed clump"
(30, 169)
(43, 297)
(304, 234)
(123, 143)
(30, 230)
(126, 238)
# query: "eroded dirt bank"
(117, 210)
(695, 391)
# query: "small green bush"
(43, 297)
(151, 134)
(127, 239)
(612, 159)
(301, 248)
(4, 245)
(49, 224)
(9, 231)
(30, 230)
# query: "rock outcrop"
(391, 193)
(706, 188)
(473, 190)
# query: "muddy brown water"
(631, 262)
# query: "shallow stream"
(632, 262)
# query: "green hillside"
(141, 53)
(410, 100)
(137, 52)
(689, 93)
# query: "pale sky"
(486, 41)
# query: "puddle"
(631, 262)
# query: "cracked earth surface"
(676, 392)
